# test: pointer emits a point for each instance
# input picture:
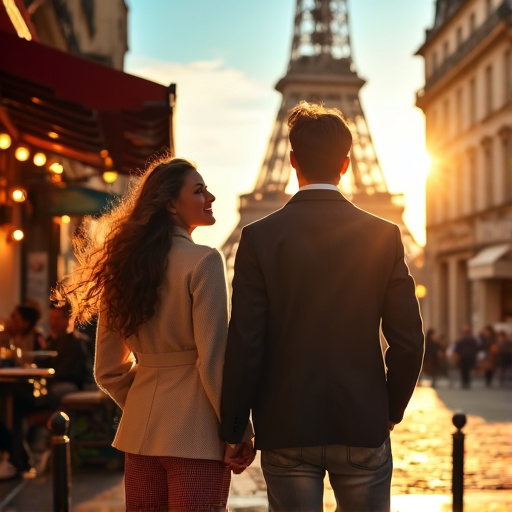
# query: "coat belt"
(162, 360)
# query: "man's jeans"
(360, 477)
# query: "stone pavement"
(422, 448)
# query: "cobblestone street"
(422, 448)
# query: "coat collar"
(179, 231)
(318, 195)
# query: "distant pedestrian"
(489, 350)
(465, 352)
(313, 284)
(433, 361)
(504, 358)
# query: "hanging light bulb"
(17, 235)
(5, 141)
(39, 159)
(109, 176)
(56, 168)
(22, 153)
(18, 194)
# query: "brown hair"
(320, 140)
(123, 259)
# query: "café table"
(10, 380)
(18, 375)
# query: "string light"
(5, 141)
(39, 159)
(18, 194)
(22, 153)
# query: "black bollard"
(61, 461)
(459, 420)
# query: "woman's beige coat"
(167, 379)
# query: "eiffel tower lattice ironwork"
(320, 70)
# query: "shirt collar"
(319, 186)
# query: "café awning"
(81, 109)
(494, 262)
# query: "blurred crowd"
(487, 354)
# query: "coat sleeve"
(208, 288)
(114, 364)
(402, 327)
(246, 341)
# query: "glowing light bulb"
(39, 159)
(18, 194)
(109, 176)
(22, 153)
(5, 141)
(56, 168)
(17, 235)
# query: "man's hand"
(239, 456)
(391, 426)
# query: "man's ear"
(344, 166)
(170, 208)
(293, 160)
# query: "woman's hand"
(238, 457)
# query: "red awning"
(76, 107)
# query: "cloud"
(222, 121)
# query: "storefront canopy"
(493, 262)
(78, 108)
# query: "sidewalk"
(422, 451)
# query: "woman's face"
(193, 207)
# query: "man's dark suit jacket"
(313, 284)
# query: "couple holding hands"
(299, 350)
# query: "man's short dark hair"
(320, 139)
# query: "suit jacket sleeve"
(246, 339)
(114, 365)
(210, 320)
(403, 330)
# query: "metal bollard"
(459, 420)
(61, 461)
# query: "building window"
(459, 37)
(455, 189)
(472, 180)
(446, 117)
(435, 64)
(488, 89)
(446, 50)
(488, 7)
(472, 23)
(508, 75)
(488, 172)
(506, 147)
(472, 101)
(458, 111)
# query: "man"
(466, 353)
(73, 362)
(313, 284)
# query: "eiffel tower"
(321, 71)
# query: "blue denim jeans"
(360, 477)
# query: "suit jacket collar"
(317, 195)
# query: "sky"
(225, 57)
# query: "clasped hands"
(239, 456)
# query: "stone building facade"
(467, 102)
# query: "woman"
(163, 316)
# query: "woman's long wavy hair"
(121, 263)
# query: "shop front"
(71, 133)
